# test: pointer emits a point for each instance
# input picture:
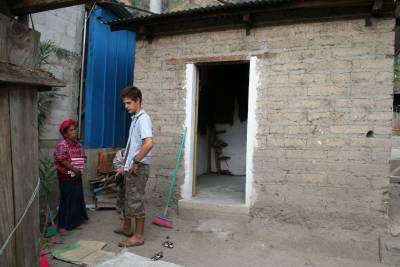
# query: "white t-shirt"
(140, 129)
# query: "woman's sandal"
(158, 256)
(63, 232)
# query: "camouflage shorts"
(121, 195)
(135, 187)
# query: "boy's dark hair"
(132, 92)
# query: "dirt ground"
(219, 242)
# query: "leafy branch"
(45, 50)
(397, 72)
(47, 174)
(45, 99)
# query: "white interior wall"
(201, 164)
(235, 137)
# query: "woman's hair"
(132, 92)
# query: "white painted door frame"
(190, 123)
(191, 89)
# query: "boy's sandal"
(158, 256)
(125, 244)
(123, 233)
(168, 244)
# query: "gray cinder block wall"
(64, 27)
(322, 87)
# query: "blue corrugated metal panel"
(109, 70)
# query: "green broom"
(163, 220)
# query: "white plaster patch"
(190, 87)
(251, 131)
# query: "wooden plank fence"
(19, 162)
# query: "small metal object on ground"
(157, 256)
(168, 244)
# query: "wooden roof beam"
(23, 7)
(377, 7)
(16, 74)
(249, 23)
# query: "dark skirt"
(72, 208)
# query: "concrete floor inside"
(220, 189)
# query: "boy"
(136, 168)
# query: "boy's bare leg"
(126, 228)
(138, 237)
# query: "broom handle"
(171, 186)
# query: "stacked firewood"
(103, 186)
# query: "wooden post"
(19, 172)
(19, 45)
(24, 141)
(19, 168)
(6, 182)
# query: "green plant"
(45, 99)
(47, 171)
(45, 49)
(47, 175)
(397, 72)
(48, 178)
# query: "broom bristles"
(163, 222)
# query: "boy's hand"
(120, 172)
(135, 169)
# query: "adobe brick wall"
(322, 87)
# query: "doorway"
(221, 132)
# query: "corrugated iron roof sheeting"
(201, 10)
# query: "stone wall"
(322, 87)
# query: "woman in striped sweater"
(70, 159)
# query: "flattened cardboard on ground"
(128, 259)
(84, 253)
